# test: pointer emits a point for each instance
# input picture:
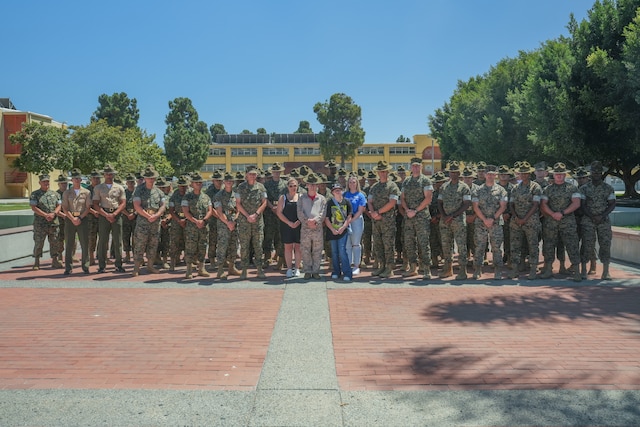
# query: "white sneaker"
(355, 271)
(334, 276)
(289, 273)
(296, 273)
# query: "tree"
(246, 132)
(217, 129)
(44, 148)
(117, 110)
(96, 144)
(139, 150)
(304, 127)
(261, 131)
(342, 134)
(402, 138)
(187, 139)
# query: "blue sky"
(249, 64)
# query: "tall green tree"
(97, 143)
(44, 148)
(402, 138)
(217, 129)
(187, 139)
(139, 150)
(261, 131)
(304, 127)
(246, 132)
(342, 132)
(117, 110)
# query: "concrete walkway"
(109, 350)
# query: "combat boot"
(387, 272)
(592, 267)
(377, 271)
(515, 272)
(189, 273)
(127, 257)
(36, 264)
(577, 276)
(243, 275)
(532, 273)
(497, 272)
(412, 271)
(201, 271)
(605, 271)
(233, 271)
(172, 264)
(583, 270)
(165, 264)
(546, 271)
(447, 270)
(55, 263)
(427, 272)
(477, 272)
(221, 273)
(151, 268)
(267, 261)
(563, 269)
(260, 273)
(136, 268)
(462, 274)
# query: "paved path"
(159, 350)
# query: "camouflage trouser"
(417, 232)
(93, 234)
(366, 237)
(399, 234)
(602, 232)
(524, 240)
(471, 241)
(227, 244)
(507, 241)
(484, 236)
(435, 242)
(177, 241)
(455, 231)
(272, 234)
(128, 227)
(164, 246)
(311, 245)
(60, 239)
(591, 256)
(556, 232)
(250, 236)
(213, 239)
(41, 232)
(195, 246)
(384, 239)
(146, 239)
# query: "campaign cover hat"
(313, 178)
(183, 180)
(150, 172)
(61, 178)
(276, 167)
(76, 173)
(524, 167)
(453, 166)
(439, 177)
(383, 165)
(109, 169)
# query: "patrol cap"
(44, 177)
(491, 169)
(416, 161)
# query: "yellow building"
(236, 152)
(16, 183)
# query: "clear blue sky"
(250, 64)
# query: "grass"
(633, 227)
(14, 207)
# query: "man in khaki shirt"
(109, 200)
(76, 202)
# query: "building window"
(377, 151)
(404, 165)
(217, 152)
(242, 167)
(402, 150)
(367, 166)
(306, 151)
(212, 167)
(275, 151)
(244, 152)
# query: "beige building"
(14, 182)
(236, 152)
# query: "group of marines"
(411, 219)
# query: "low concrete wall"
(622, 217)
(625, 245)
(13, 219)
(16, 243)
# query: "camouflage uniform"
(417, 229)
(164, 245)
(368, 229)
(505, 228)
(452, 196)
(522, 199)
(595, 199)
(147, 234)
(252, 234)
(435, 242)
(384, 229)
(211, 191)
(227, 239)
(128, 225)
(271, 222)
(195, 248)
(60, 240)
(47, 201)
(178, 227)
(558, 198)
(470, 220)
(488, 199)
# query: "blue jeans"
(339, 256)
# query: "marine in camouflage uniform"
(45, 204)
(598, 200)
(382, 201)
(164, 246)
(469, 176)
(453, 200)
(224, 203)
(435, 242)
(504, 177)
(92, 218)
(149, 203)
(211, 191)
(367, 233)
(559, 201)
(275, 188)
(197, 209)
(524, 204)
(251, 201)
(416, 196)
(179, 221)
(489, 202)
(128, 218)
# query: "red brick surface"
(485, 337)
(209, 339)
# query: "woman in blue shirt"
(358, 204)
